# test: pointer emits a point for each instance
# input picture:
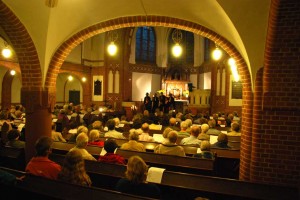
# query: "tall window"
(145, 45)
(206, 49)
(187, 45)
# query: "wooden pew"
(173, 163)
(64, 147)
(176, 185)
(41, 188)
(12, 157)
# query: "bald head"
(172, 121)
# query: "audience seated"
(110, 146)
(73, 170)
(235, 129)
(194, 133)
(6, 127)
(40, 164)
(81, 143)
(9, 178)
(56, 136)
(203, 135)
(135, 181)
(205, 151)
(183, 132)
(111, 130)
(170, 147)
(94, 138)
(173, 125)
(222, 141)
(144, 136)
(13, 139)
(212, 128)
(80, 129)
(133, 143)
(165, 134)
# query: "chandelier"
(177, 38)
(112, 47)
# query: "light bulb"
(70, 78)
(12, 72)
(177, 50)
(112, 49)
(6, 52)
(231, 61)
(83, 79)
(217, 54)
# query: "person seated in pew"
(6, 127)
(183, 133)
(205, 151)
(56, 136)
(222, 142)
(144, 136)
(170, 147)
(173, 124)
(189, 123)
(8, 178)
(40, 164)
(94, 138)
(133, 144)
(110, 146)
(112, 133)
(13, 139)
(203, 135)
(135, 180)
(212, 128)
(73, 170)
(165, 135)
(80, 129)
(193, 139)
(235, 129)
(81, 143)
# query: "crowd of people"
(88, 127)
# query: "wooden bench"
(173, 163)
(176, 185)
(36, 187)
(12, 157)
(64, 147)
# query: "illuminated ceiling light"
(177, 50)
(83, 79)
(177, 38)
(231, 61)
(217, 53)
(112, 47)
(6, 52)
(70, 78)
(12, 72)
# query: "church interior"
(211, 56)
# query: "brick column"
(38, 105)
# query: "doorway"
(74, 97)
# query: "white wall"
(141, 84)
(207, 81)
(75, 84)
(16, 90)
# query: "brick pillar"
(38, 105)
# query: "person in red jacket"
(40, 164)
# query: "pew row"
(176, 185)
(12, 157)
(173, 163)
(42, 188)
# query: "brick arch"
(24, 48)
(134, 21)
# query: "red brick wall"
(276, 133)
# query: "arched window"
(187, 44)
(145, 45)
